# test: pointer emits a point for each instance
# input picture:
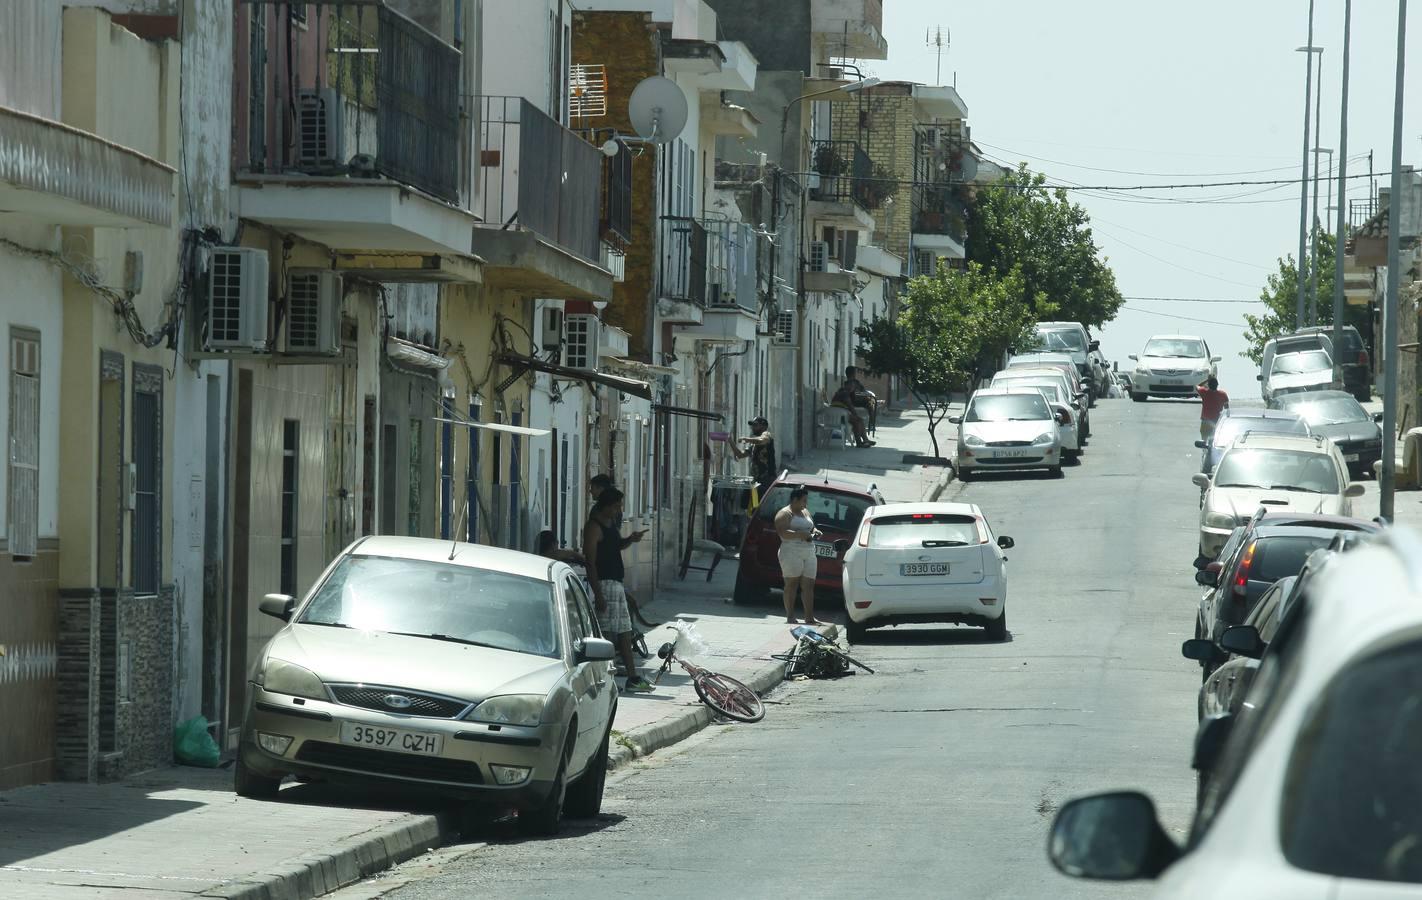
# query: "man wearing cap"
(760, 447)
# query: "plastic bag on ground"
(691, 644)
(193, 744)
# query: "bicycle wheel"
(837, 652)
(729, 697)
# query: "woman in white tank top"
(798, 562)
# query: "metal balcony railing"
(535, 173)
(366, 91)
(617, 194)
(842, 173)
(711, 262)
(1360, 211)
(936, 211)
(682, 273)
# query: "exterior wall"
(883, 122)
(777, 33)
(525, 67)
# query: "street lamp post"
(1310, 49)
(1342, 195)
(1314, 219)
(1387, 477)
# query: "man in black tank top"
(760, 447)
(603, 545)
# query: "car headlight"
(510, 709)
(1219, 520)
(282, 677)
(1044, 438)
(1142, 370)
(973, 440)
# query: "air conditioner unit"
(313, 312)
(717, 296)
(236, 300)
(552, 329)
(784, 332)
(318, 128)
(580, 338)
(926, 263)
(819, 256)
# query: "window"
(290, 459)
(1350, 805)
(930, 530)
(298, 12)
(584, 602)
(147, 478)
(828, 509)
(1007, 408)
(23, 476)
(578, 626)
(1184, 348)
(1278, 470)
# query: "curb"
(315, 874)
(648, 739)
(949, 474)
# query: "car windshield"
(1050, 342)
(1327, 410)
(923, 530)
(1063, 339)
(1352, 793)
(1057, 387)
(1232, 427)
(439, 600)
(830, 510)
(1183, 347)
(1277, 470)
(1007, 408)
(1299, 363)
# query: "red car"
(836, 507)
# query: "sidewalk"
(181, 832)
(1407, 505)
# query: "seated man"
(850, 396)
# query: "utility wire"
(1059, 162)
(1095, 219)
(1192, 300)
(1174, 264)
(1151, 312)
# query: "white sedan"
(926, 562)
(1008, 428)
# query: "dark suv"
(836, 507)
(1352, 357)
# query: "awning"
(496, 426)
(625, 385)
(689, 413)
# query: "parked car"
(1339, 417)
(1007, 428)
(1279, 471)
(926, 562)
(1352, 357)
(1307, 370)
(1314, 792)
(1171, 365)
(1246, 419)
(1074, 388)
(1076, 341)
(1290, 343)
(837, 507)
(1059, 360)
(456, 669)
(1224, 688)
(1070, 415)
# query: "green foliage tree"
(1019, 223)
(949, 324)
(1280, 296)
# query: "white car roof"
(910, 509)
(1043, 356)
(476, 556)
(998, 391)
(1276, 440)
(1174, 337)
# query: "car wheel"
(748, 593)
(997, 628)
(546, 818)
(856, 630)
(249, 784)
(965, 474)
(1139, 398)
(584, 800)
(1055, 471)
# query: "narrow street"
(939, 774)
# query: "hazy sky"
(1179, 92)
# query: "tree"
(949, 324)
(1019, 223)
(1280, 296)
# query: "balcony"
(541, 189)
(681, 270)
(939, 221)
(64, 176)
(851, 29)
(841, 190)
(352, 137)
(617, 196)
(732, 307)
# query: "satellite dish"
(968, 167)
(657, 109)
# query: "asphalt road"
(939, 775)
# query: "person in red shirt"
(1213, 401)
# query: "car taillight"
(1063, 417)
(982, 531)
(1241, 580)
(864, 534)
(1363, 358)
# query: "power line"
(1059, 162)
(1095, 219)
(1175, 264)
(1192, 300)
(1151, 312)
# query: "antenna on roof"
(937, 41)
(458, 522)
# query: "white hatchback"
(1007, 428)
(926, 562)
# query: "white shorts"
(798, 560)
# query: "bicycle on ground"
(722, 693)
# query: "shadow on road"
(917, 636)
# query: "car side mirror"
(1354, 489)
(1210, 740)
(1115, 366)
(1200, 480)
(278, 606)
(1200, 445)
(1134, 356)
(594, 649)
(1243, 640)
(1094, 346)
(1377, 417)
(1110, 837)
(841, 546)
(1006, 542)
(1201, 650)
(1206, 578)
(1259, 377)
(955, 420)
(1076, 404)
(1215, 359)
